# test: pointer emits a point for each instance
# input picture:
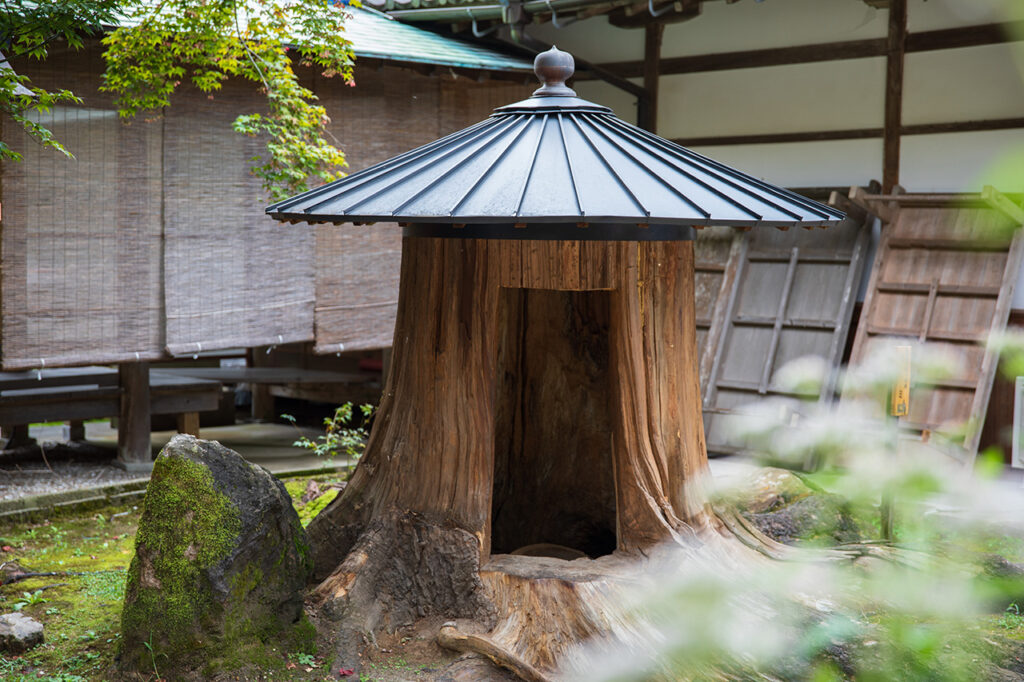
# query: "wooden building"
(924, 97)
(151, 244)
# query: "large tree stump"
(540, 392)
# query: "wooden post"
(76, 430)
(188, 422)
(647, 105)
(17, 436)
(262, 400)
(896, 47)
(134, 445)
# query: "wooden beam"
(647, 109)
(76, 431)
(896, 48)
(925, 41)
(594, 70)
(852, 133)
(134, 445)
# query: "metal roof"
(376, 35)
(379, 36)
(554, 160)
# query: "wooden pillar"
(896, 48)
(188, 422)
(262, 400)
(75, 430)
(134, 445)
(262, 403)
(647, 109)
(17, 436)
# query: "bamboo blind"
(389, 112)
(233, 276)
(154, 240)
(80, 240)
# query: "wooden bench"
(291, 382)
(78, 393)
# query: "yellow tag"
(901, 387)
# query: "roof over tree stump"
(544, 394)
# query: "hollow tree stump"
(540, 392)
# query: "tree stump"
(540, 392)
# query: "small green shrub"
(341, 435)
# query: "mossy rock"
(221, 561)
(820, 518)
(768, 489)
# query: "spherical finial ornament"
(553, 68)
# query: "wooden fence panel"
(793, 297)
(943, 276)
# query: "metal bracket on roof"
(476, 31)
(554, 17)
(511, 11)
(664, 10)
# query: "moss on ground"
(82, 613)
(307, 511)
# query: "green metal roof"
(376, 35)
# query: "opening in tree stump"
(554, 487)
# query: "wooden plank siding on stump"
(792, 297)
(944, 277)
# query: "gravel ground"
(19, 480)
(68, 466)
(86, 464)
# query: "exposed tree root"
(11, 572)
(451, 638)
(747, 533)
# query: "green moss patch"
(187, 527)
(82, 613)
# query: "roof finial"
(553, 68)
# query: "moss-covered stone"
(221, 562)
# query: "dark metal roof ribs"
(568, 163)
(498, 157)
(608, 166)
(533, 163)
(672, 188)
(692, 156)
(355, 179)
(394, 178)
(735, 185)
(448, 173)
(515, 169)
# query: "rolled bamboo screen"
(233, 277)
(81, 238)
(154, 241)
(357, 266)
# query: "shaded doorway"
(553, 476)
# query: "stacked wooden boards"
(790, 294)
(943, 275)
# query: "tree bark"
(541, 393)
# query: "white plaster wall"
(799, 97)
(956, 85)
(804, 164)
